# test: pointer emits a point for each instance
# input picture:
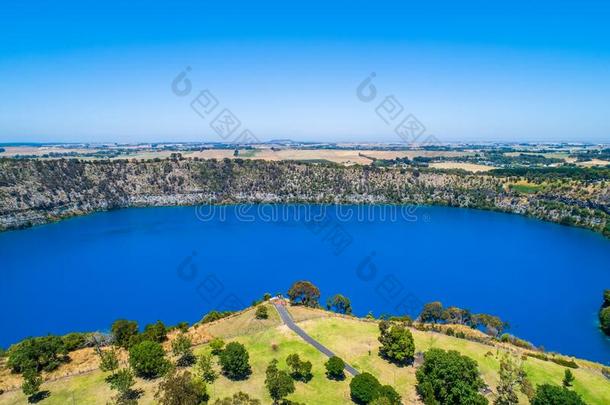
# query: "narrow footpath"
(288, 321)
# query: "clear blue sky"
(102, 71)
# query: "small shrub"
(568, 378)
(564, 362)
(181, 348)
(215, 315)
(450, 332)
(205, 367)
(547, 394)
(239, 398)
(261, 312)
(539, 356)
(182, 327)
(216, 345)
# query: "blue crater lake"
(175, 264)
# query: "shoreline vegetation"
(229, 354)
(34, 192)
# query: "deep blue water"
(167, 263)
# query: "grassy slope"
(354, 340)
(362, 337)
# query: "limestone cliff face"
(38, 191)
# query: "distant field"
(39, 151)
(469, 167)
(594, 162)
(353, 339)
(341, 156)
(332, 155)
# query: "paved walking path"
(288, 321)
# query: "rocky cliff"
(38, 191)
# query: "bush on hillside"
(147, 359)
(123, 332)
(334, 368)
(74, 341)
(364, 388)
(261, 312)
(216, 346)
(181, 388)
(40, 354)
(215, 315)
(155, 332)
(447, 377)
(547, 394)
(299, 369)
(234, 361)
(397, 343)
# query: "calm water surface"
(165, 263)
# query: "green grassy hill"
(355, 340)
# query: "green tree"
(511, 377)
(278, 382)
(334, 368)
(217, 345)
(339, 304)
(182, 348)
(364, 388)
(239, 398)
(31, 384)
(74, 341)
(41, 354)
(156, 332)
(389, 393)
(123, 331)
(493, 325)
(261, 312)
(449, 378)
(547, 394)
(397, 344)
(234, 361)
(109, 360)
(180, 388)
(122, 381)
(205, 367)
(568, 378)
(432, 312)
(457, 315)
(304, 293)
(148, 360)
(299, 370)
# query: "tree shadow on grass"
(39, 396)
